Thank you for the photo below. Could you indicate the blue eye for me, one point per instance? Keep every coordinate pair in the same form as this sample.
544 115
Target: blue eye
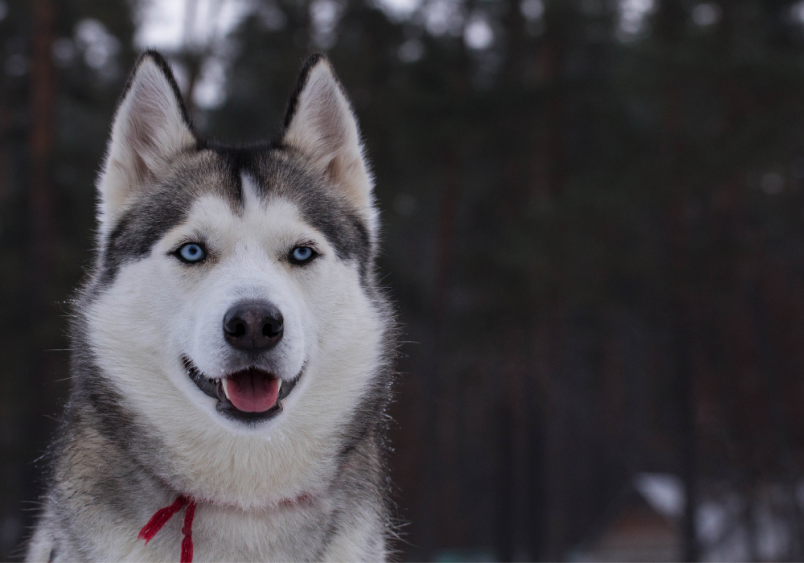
302 254
191 253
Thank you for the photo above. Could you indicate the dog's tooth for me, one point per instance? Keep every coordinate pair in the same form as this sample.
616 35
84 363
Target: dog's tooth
225 382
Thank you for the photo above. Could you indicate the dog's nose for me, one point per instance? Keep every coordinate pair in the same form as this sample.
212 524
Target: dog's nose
254 326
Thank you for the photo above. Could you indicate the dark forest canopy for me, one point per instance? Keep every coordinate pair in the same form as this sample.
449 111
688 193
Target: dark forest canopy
593 230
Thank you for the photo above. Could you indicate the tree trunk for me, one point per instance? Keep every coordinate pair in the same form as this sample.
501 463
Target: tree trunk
43 116
43 369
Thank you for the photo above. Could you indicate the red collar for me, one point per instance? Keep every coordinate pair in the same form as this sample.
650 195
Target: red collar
161 517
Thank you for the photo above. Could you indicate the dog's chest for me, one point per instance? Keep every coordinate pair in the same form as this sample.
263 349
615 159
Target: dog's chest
284 533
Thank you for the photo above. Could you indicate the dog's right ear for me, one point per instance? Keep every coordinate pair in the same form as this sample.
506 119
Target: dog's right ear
151 125
321 125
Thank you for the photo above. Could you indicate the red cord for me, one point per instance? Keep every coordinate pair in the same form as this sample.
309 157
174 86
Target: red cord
163 515
187 530
160 519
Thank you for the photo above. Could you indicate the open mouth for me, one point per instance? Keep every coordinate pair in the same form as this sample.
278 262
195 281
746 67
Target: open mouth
249 395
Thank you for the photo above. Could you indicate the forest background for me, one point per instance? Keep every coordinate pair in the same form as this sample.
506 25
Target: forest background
593 233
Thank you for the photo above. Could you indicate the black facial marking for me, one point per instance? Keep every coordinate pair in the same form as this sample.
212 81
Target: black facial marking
218 170
138 230
283 173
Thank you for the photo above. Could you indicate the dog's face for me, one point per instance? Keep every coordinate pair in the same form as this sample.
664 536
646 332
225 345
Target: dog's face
233 309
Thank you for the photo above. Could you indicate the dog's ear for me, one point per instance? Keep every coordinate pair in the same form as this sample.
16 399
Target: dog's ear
321 125
150 126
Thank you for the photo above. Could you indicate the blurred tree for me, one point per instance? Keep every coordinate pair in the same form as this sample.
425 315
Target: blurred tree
61 75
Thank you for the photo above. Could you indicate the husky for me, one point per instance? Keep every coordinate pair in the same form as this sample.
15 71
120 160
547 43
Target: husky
231 348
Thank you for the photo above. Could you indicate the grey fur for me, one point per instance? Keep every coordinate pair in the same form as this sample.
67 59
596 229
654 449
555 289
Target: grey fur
109 469
276 168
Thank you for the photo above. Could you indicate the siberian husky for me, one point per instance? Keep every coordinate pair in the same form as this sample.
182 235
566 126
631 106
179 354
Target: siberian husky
231 348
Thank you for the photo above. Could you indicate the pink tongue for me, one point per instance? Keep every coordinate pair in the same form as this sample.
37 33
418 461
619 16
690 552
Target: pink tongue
252 390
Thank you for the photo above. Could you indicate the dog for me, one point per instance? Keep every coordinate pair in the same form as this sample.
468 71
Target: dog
231 357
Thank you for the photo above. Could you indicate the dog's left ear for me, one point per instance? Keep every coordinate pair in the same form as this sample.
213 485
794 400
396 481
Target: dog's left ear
321 125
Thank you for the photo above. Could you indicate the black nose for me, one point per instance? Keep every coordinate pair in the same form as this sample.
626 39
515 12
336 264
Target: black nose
254 326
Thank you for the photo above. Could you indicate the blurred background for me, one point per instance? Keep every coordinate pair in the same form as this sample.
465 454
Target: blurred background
594 235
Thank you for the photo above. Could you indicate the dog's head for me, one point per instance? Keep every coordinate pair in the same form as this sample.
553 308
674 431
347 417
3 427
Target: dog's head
233 307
